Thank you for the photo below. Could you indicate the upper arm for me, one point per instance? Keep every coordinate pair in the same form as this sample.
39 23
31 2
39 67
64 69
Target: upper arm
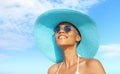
52 69
96 66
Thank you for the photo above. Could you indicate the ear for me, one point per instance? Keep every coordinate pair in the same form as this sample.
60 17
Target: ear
78 38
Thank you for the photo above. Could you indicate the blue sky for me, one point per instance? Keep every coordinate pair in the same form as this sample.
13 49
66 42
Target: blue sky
18 50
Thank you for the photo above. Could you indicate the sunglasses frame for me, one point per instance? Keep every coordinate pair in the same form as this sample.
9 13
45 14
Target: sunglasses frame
66 28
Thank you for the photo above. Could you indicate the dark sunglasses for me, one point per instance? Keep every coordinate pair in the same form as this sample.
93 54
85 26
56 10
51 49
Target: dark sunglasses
67 28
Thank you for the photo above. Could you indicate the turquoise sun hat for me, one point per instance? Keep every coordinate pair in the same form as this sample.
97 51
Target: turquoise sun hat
44 33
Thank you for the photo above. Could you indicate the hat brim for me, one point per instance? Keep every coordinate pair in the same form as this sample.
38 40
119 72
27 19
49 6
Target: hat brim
44 33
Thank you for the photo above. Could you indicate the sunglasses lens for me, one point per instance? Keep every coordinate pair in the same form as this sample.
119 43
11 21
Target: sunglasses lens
57 29
67 28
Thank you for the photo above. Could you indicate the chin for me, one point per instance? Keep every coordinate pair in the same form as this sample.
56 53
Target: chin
63 44
60 44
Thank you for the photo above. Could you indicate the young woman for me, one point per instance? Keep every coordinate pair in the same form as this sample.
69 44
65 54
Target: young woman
70 39
67 38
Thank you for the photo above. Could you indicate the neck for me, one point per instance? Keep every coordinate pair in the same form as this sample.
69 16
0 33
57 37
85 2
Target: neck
70 56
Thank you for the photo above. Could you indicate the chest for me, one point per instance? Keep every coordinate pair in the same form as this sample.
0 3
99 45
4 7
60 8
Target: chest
67 71
73 70
85 70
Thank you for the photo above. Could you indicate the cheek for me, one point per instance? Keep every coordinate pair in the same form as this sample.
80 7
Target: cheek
72 36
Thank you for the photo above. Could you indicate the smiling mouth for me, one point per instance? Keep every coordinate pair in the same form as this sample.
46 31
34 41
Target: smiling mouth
62 37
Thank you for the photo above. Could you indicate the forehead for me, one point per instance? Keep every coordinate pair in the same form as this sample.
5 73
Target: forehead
64 24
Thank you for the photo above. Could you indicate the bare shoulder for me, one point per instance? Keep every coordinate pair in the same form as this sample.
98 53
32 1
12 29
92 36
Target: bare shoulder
95 65
93 61
53 69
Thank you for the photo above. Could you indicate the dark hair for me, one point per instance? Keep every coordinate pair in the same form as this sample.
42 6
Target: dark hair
65 22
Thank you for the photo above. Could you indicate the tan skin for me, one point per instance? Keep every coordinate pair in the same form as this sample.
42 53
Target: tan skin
68 45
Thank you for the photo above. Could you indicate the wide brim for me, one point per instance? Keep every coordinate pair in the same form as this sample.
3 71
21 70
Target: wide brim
44 33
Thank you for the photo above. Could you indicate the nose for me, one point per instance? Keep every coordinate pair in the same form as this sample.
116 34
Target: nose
61 30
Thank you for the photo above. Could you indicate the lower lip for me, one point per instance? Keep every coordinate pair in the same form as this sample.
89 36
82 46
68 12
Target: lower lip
62 38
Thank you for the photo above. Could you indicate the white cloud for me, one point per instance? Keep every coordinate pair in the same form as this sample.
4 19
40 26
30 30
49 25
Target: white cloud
17 7
17 19
80 5
14 41
110 50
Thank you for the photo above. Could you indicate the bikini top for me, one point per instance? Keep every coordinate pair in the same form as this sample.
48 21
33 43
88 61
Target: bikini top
77 69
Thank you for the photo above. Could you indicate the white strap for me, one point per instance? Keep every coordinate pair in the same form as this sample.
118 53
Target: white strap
77 71
59 68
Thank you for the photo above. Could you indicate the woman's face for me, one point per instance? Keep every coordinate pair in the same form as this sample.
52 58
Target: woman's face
66 35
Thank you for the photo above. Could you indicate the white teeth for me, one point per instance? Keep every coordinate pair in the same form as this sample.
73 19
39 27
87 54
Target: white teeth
62 37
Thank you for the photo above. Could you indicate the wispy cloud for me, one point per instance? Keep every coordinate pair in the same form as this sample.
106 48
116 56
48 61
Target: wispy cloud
4 56
110 50
81 5
17 19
